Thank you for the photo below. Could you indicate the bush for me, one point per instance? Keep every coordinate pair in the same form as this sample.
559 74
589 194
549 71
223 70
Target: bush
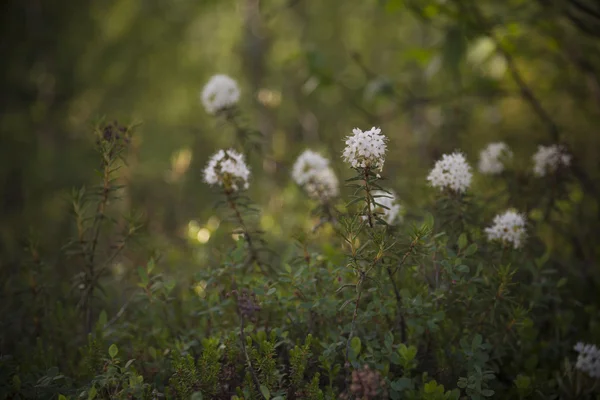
463 283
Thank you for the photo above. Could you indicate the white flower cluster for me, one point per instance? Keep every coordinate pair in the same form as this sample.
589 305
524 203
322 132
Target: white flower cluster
548 159
219 93
452 172
491 159
588 359
508 227
227 168
312 171
365 149
392 213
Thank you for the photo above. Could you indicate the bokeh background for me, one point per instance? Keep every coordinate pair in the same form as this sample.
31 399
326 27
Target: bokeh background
434 78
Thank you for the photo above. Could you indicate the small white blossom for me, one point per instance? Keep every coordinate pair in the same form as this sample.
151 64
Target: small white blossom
508 227
588 359
219 93
365 149
227 168
306 164
323 185
312 171
390 215
548 159
452 172
491 159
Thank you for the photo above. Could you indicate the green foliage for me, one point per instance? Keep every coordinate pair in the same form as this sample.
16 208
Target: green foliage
153 286
185 377
209 367
299 357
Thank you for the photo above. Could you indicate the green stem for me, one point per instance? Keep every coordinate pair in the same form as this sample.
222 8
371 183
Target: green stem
368 197
238 215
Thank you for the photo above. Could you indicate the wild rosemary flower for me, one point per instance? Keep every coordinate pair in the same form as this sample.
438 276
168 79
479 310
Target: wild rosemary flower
451 172
588 359
548 159
219 93
227 168
313 173
365 149
492 158
508 227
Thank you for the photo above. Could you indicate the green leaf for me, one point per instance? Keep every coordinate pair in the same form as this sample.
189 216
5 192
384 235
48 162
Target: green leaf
523 382
472 249
407 353
196 396
433 387
271 291
455 48
356 345
463 268
429 220
265 392
150 266
61 397
16 381
102 319
487 392
152 352
92 393
113 350
562 282
402 384
143 276
477 341
462 241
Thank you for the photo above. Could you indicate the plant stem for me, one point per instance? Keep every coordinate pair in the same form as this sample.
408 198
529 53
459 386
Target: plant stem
251 248
354 316
248 361
96 227
368 197
401 319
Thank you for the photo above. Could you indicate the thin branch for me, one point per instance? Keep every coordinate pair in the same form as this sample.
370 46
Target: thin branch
120 312
368 197
527 94
524 89
585 9
96 228
401 319
251 246
354 316
243 339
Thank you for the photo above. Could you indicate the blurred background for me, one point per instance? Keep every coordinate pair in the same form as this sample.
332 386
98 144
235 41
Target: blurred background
435 75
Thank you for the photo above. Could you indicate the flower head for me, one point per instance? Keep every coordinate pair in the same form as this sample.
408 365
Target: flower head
227 168
219 93
588 359
508 227
391 214
491 159
306 164
312 171
548 159
323 185
452 172
365 149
